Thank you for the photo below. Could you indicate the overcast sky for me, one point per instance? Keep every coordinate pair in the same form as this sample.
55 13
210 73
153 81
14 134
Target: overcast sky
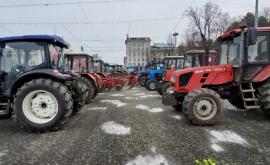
107 32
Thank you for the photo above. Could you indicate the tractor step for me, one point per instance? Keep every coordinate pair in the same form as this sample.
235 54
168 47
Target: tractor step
248 96
4 108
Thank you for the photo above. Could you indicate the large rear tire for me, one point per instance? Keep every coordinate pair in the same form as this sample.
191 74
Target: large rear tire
42 105
150 85
203 107
264 97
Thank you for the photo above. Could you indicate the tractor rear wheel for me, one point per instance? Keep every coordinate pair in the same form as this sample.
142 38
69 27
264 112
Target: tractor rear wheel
165 88
142 81
203 107
90 89
80 97
264 97
150 85
42 105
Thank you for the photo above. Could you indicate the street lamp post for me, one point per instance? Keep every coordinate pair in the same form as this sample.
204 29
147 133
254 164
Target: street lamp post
175 42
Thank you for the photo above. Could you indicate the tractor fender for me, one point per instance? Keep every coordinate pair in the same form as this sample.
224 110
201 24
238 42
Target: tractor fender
91 77
34 74
262 75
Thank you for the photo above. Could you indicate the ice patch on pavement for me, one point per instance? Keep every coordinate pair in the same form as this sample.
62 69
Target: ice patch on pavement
116 95
97 108
146 108
177 117
217 148
112 127
118 103
227 136
151 159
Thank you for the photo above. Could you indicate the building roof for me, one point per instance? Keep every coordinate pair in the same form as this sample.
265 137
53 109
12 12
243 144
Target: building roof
49 38
138 39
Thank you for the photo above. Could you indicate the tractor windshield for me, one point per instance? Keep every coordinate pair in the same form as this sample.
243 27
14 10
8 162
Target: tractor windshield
192 60
176 63
260 51
79 64
21 56
230 51
56 56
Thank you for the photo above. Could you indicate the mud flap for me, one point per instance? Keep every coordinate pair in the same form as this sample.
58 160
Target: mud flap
169 100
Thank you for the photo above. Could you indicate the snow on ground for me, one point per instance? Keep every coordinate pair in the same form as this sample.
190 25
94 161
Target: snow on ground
112 127
140 94
118 103
3 153
228 136
116 95
177 117
151 159
97 108
225 136
146 108
149 96
217 148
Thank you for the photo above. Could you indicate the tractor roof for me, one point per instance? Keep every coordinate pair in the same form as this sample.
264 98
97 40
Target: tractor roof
196 52
77 54
232 33
48 38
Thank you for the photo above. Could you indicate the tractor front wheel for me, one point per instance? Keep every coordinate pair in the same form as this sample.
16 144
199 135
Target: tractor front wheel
165 88
264 97
203 107
150 85
142 81
42 105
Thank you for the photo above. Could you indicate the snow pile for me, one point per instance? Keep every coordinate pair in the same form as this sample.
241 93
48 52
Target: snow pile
177 117
112 127
153 159
118 103
146 108
217 148
227 136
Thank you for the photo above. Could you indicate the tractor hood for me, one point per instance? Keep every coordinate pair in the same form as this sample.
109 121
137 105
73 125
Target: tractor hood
186 80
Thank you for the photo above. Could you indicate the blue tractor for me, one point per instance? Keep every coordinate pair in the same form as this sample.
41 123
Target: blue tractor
154 75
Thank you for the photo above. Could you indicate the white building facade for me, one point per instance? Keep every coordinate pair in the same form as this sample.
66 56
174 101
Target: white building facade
137 51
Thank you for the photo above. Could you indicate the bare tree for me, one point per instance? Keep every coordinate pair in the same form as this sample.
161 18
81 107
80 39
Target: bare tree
205 19
266 13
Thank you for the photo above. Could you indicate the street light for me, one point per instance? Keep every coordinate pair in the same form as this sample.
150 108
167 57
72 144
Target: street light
175 41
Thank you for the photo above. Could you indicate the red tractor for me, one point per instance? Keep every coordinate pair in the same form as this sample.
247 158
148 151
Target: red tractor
171 63
83 64
241 76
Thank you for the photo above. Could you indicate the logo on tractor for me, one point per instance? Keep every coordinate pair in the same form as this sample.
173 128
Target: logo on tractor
210 70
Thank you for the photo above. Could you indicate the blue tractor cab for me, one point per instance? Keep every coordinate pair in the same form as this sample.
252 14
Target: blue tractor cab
154 75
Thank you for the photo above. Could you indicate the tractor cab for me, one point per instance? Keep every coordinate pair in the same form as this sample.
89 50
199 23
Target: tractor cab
195 58
241 76
171 63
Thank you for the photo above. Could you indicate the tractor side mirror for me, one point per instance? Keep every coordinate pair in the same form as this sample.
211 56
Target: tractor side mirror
252 36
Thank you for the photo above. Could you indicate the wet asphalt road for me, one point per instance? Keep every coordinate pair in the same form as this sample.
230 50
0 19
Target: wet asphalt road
133 127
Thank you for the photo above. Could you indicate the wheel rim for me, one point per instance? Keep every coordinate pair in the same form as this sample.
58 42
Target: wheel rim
40 106
205 108
152 85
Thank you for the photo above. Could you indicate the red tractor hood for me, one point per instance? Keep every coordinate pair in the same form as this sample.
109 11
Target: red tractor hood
186 80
